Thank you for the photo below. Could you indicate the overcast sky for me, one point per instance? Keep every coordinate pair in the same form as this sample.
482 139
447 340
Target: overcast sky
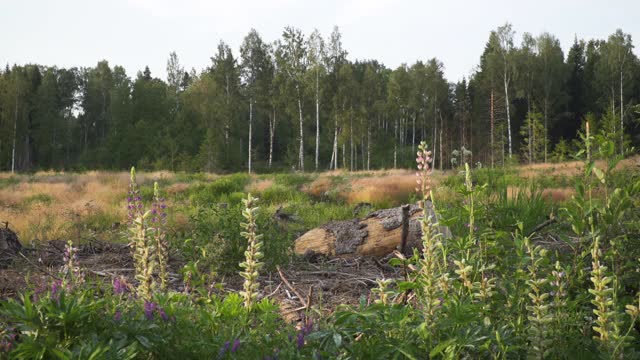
135 33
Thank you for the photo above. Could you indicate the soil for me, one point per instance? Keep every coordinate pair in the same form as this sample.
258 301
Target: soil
323 284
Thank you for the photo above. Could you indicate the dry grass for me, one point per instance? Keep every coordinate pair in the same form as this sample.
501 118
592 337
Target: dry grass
319 187
555 195
259 186
390 189
571 168
76 200
382 187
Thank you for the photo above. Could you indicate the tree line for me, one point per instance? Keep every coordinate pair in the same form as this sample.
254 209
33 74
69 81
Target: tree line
300 103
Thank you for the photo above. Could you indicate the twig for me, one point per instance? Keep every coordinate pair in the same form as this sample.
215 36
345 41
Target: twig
286 282
295 310
274 291
38 267
309 298
550 221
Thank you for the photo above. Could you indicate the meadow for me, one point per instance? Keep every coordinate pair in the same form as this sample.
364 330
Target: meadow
543 263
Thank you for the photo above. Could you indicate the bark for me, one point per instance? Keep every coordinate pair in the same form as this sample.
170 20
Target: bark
530 130
226 121
250 130
334 156
492 130
395 144
441 125
621 114
369 147
317 120
413 138
15 133
546 102
301 151
272 132
435 128
506 100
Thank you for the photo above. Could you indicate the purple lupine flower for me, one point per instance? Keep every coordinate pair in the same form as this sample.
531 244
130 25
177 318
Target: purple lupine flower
119 286
236 346
117 316
307 326
224 349
163 315
149 308
300 340
55 289
37 292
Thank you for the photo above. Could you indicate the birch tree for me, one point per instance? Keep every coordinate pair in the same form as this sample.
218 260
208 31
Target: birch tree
316 55
294 52
336 56
255 76
619 58
505 36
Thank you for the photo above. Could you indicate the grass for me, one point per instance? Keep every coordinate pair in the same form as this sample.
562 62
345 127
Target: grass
53 205
495 289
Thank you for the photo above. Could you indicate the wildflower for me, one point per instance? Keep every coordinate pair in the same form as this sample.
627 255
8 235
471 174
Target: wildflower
119 286
300 340
252 263
55 289
236 346
117 316
163 314
224 349
149 308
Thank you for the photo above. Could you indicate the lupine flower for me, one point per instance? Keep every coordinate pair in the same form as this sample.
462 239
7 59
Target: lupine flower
163 315
236 345
224 349
307 326
300 340
117 315
119 286
55 289
149 308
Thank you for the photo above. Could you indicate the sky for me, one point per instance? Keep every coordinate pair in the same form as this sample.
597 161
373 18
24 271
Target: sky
139 33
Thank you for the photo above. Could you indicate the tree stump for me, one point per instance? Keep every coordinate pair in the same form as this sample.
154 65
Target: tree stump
378 234
9 240
9 244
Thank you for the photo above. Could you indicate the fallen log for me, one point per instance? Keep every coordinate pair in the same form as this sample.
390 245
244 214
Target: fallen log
378 234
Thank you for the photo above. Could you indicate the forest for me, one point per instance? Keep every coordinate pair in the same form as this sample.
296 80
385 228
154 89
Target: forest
299 103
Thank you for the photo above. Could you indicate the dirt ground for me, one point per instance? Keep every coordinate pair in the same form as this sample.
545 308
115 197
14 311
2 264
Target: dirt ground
321 284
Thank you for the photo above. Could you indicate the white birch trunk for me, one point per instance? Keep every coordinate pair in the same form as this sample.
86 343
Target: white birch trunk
506 100
334 156
15 133
272 132
250 130
317 120
621 115
301 151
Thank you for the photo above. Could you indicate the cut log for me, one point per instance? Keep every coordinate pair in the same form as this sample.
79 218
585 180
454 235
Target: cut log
378 234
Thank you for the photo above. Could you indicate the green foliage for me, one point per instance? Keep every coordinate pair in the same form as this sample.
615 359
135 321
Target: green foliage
219 190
